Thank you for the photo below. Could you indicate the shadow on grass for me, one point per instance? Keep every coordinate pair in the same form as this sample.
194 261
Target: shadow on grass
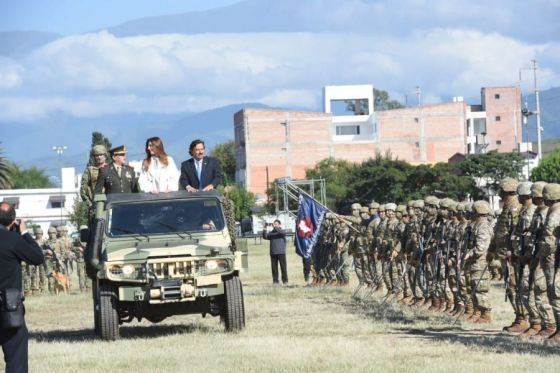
126 332
490 340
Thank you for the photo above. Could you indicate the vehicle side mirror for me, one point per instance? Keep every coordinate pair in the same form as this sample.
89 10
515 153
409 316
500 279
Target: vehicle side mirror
84 235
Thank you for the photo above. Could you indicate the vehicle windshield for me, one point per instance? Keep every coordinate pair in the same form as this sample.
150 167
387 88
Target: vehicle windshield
164 217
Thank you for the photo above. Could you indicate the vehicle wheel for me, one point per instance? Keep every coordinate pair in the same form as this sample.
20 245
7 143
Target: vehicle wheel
233 312
108 315
96 309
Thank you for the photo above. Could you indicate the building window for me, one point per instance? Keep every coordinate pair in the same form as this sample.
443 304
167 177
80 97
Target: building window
347 130
350 107
498 118
14 201
498 142
497 96
57 202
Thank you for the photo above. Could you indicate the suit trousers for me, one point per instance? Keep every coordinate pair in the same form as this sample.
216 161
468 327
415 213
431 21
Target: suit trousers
276 259
15 347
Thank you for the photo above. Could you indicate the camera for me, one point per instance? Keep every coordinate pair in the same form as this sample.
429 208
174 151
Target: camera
15 226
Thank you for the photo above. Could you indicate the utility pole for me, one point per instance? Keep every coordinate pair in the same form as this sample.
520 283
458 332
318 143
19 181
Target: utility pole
59 149
418 94
538 110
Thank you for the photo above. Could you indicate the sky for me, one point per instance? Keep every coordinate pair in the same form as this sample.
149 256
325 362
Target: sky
278 53
68 17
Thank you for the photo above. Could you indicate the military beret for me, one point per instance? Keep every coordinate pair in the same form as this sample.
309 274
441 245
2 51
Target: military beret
551 192
524 188
509 184
391 206
119 150
537 189
99 150
481 207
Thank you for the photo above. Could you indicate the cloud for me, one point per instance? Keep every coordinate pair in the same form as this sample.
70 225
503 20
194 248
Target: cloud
97 74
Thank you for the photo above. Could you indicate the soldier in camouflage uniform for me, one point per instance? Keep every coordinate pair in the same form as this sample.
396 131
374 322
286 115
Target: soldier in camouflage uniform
476 263
443 293
52 262
90 176
390 248
376 250
520 246
549 255
65 249
402 286
358 241
415 244
430 230
450 257
533 293
502 248
38 280
462 236
78 249
343 238
371 276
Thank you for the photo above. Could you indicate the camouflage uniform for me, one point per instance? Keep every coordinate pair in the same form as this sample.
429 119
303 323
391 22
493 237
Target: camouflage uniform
402 285
376 256
52 262
432 230
390 247
533 294
450 259
370 273
342 271
501 247
90 176
65 249
416 268
78 249
477 265
548 252
462 234
358 242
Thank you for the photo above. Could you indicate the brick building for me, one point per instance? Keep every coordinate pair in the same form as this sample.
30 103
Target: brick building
273 143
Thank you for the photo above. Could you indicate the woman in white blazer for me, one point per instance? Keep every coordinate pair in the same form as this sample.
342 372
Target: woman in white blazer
159 172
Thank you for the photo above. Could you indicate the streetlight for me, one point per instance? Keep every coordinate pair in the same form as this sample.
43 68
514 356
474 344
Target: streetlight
59 149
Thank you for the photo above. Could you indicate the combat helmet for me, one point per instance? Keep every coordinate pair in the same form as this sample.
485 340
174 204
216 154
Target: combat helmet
374 205
355 206
51 230
37 229
402 209
551 192
390 206
431 200
481 207
524 188
509 184
99 150
537 189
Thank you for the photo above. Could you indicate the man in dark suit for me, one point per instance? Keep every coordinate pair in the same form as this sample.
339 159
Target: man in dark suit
16 245
277 237
199 173
117 177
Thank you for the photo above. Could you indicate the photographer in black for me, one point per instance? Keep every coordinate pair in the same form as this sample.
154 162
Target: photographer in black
16 245
277 238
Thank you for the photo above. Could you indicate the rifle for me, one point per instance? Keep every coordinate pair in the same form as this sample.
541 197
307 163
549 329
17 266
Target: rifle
535 249
519 262
510 249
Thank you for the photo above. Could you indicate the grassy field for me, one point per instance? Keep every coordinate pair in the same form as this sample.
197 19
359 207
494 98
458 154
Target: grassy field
289 328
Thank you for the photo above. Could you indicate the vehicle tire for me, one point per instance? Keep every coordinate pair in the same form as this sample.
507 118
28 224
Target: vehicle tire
108 315
96 309
233 312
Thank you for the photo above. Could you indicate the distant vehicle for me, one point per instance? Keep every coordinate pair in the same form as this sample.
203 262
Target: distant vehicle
157 255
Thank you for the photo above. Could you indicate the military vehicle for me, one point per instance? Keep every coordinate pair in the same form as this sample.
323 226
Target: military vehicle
156 255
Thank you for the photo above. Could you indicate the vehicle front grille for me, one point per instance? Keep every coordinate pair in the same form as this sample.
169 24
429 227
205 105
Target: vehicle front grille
176 269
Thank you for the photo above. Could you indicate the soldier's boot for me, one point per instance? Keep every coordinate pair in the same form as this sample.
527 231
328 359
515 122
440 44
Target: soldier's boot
459 310
435 304
345 282
427 302
443 305
469 312
451 308
417 302
546 332
406 299
532 331
554 338
485 317
519 325
475 316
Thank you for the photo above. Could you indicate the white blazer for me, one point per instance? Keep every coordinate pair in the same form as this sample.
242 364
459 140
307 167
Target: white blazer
158 177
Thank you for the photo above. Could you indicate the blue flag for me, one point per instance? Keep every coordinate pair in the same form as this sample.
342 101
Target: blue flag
308 225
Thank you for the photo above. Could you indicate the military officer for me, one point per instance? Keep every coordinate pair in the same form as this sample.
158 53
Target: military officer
117 177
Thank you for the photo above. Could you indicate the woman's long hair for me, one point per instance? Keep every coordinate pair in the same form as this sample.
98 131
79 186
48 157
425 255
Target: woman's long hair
159 152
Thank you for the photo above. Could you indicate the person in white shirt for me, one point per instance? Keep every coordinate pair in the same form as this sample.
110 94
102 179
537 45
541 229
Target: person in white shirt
159 172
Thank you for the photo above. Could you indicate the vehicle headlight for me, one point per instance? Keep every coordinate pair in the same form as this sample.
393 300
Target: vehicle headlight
124 272
216 266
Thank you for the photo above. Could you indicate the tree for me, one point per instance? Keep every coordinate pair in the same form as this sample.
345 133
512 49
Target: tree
384 102
79 214
32 178
336 173
492 166
225 154
548 169
5 173
97 138
242 199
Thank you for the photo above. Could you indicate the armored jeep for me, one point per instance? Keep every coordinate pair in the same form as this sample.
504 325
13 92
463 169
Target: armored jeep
156 255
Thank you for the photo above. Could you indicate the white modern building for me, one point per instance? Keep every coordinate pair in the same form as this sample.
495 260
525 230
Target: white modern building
46 207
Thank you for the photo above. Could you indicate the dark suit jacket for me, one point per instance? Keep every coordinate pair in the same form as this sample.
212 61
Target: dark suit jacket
277 237
211 173
110 181
15 248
